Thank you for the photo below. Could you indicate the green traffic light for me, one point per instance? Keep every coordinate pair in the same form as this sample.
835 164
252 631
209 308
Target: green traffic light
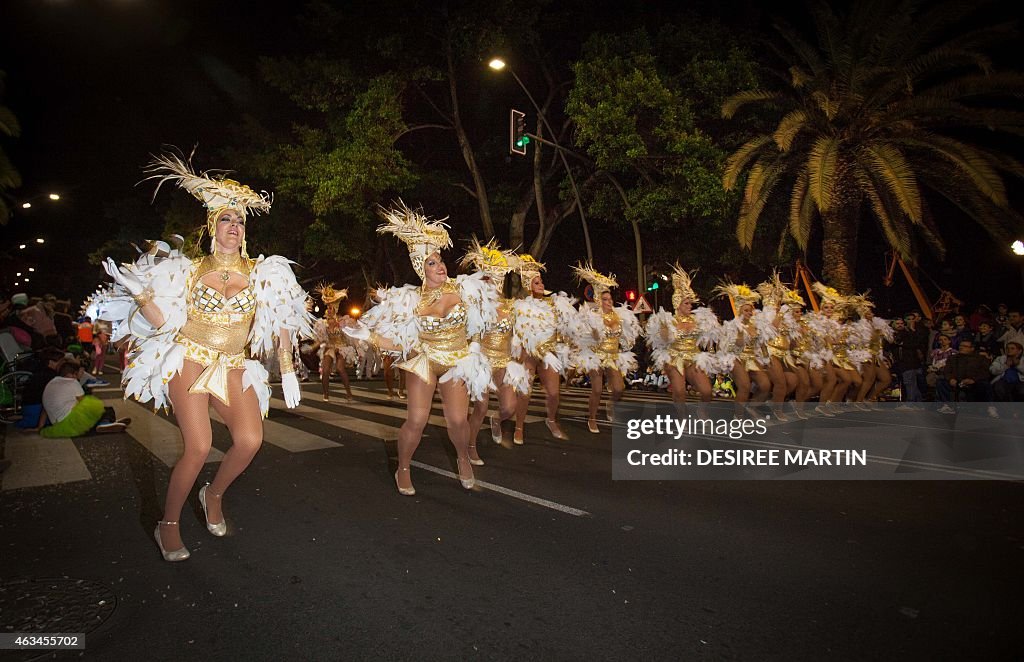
654 286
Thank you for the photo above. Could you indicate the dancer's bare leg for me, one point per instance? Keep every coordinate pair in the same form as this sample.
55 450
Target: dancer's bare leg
421 395
245 423
596 388
455 403
326 368
192 411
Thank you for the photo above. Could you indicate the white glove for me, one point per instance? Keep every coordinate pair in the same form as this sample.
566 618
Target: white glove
290 386
128 281
359 332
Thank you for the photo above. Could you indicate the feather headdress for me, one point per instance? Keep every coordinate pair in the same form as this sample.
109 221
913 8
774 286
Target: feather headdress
330 295
740 294
529 268
421 235
600 282
214 190
489 259
859 303
828 294
682 281
775 292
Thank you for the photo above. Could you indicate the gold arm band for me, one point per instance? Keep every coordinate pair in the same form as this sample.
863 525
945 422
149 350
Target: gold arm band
144 298
284 359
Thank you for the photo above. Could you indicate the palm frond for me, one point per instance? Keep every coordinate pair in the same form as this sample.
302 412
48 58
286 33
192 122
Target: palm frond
740 158
890 217
974 163
9 123
821 166
801 210
737 101
789 127
891 166
760 182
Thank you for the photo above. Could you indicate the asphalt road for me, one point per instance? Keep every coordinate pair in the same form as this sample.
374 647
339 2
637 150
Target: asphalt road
550 559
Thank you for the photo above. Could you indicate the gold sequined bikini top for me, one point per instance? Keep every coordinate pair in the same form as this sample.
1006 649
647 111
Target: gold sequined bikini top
612 331
204 299
456 317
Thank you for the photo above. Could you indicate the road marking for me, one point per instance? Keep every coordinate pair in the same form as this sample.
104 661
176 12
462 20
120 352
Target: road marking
350 423
39 461
156 434
338 398
290 439
522 496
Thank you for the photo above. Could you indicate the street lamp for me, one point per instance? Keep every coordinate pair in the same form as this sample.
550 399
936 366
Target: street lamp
54 196
40 240
498 64
21 246
1017 247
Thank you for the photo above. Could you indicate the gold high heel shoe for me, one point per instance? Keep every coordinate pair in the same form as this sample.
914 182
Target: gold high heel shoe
467 483
219 529
592 425
517 437
555 430
173 555
404 491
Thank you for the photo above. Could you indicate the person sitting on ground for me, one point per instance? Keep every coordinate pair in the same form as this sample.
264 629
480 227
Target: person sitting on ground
968 372
72 412
1008 381
45 368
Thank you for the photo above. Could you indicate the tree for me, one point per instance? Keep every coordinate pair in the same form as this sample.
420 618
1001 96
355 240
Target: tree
878 107
641 110
9 176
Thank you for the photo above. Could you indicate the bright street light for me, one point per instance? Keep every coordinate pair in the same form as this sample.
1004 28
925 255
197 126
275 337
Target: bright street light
31 268
497 64
21 246
26 280
1017 247
18 274
40 240
26 205
54 196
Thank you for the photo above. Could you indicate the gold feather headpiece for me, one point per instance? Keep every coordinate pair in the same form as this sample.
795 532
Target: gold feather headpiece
600 282
490 260
775 292
682 284
740 294
529 268
330 295
421 235
213 190
828 294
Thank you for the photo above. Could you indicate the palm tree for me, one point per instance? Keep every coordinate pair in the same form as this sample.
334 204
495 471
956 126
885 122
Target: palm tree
883 103
9 177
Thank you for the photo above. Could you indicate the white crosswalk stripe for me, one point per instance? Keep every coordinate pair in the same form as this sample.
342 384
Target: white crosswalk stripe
37 462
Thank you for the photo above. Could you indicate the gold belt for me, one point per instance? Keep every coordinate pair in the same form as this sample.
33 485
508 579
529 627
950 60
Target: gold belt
439 351
609 345
217 348
497 346
227 338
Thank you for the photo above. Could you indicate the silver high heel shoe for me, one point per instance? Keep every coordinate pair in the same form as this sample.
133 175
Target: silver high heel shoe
475 463
495 431
467 483
219 529
174 555
404 491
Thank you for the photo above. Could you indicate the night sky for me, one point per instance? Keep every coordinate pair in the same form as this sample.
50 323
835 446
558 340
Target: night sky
99 85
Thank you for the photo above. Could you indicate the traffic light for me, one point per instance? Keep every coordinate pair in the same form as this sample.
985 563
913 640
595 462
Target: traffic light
653 286
518 140
630 295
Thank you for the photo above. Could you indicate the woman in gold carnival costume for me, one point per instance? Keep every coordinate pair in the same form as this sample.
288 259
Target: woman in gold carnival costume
605 336
844 340
871 333
544 325
828 330
777 302
742 344
335 350
679 341
432 325
805 363
507 374
192 326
